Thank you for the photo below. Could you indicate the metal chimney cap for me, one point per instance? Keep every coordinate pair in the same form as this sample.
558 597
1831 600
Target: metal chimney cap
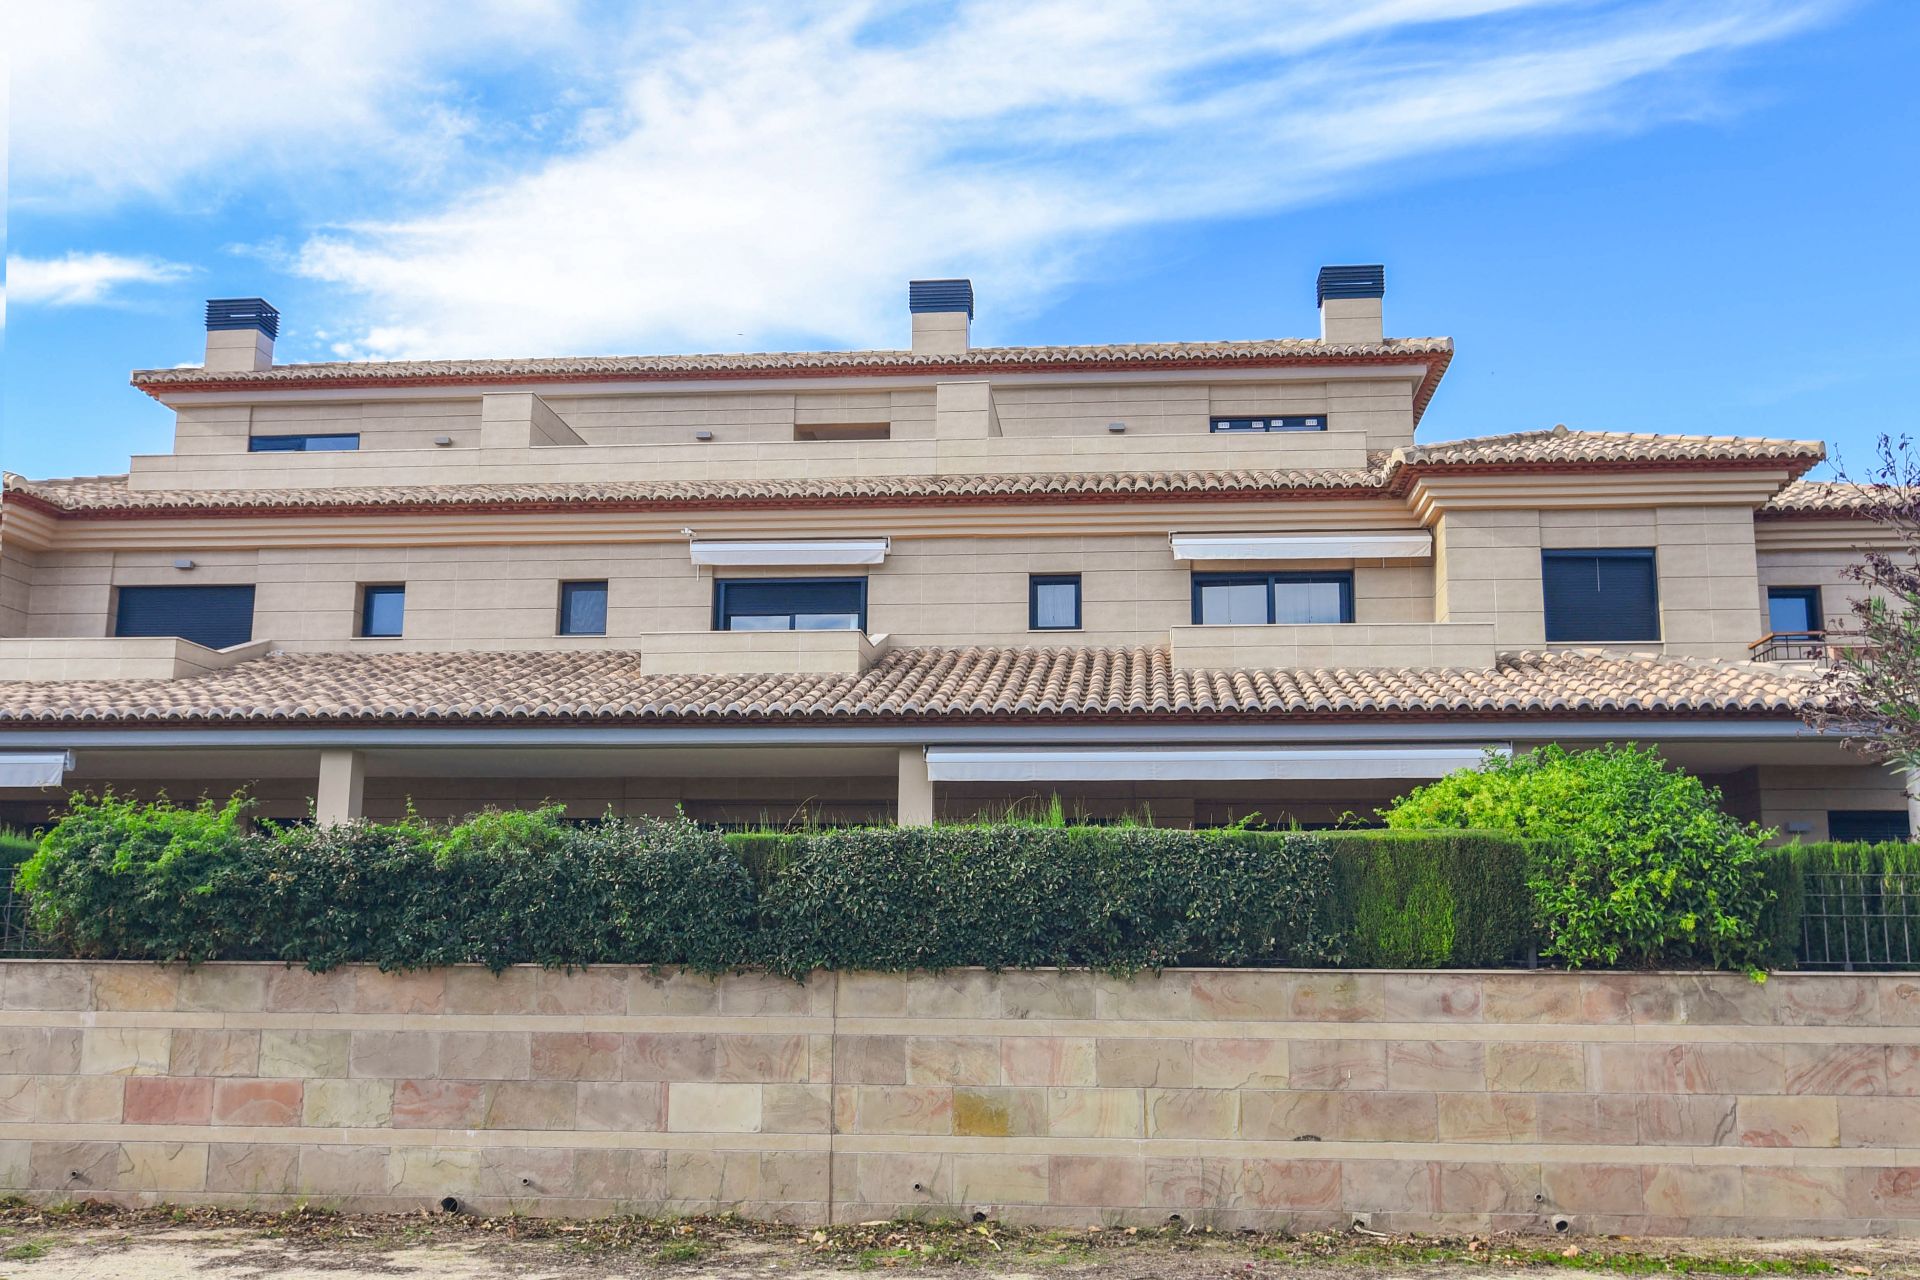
940 295
243 313
1369 281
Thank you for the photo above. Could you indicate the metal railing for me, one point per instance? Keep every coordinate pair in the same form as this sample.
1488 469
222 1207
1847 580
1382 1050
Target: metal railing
1861 920
1792 646
17 936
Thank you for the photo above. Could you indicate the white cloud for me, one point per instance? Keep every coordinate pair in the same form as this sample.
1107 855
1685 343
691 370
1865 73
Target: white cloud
115 99
531 176
82 278
764 173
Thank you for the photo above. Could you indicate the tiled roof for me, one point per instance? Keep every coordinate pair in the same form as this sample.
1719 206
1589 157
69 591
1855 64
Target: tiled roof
906 684
608 367
1826 497
1561 445
1385 471
111 493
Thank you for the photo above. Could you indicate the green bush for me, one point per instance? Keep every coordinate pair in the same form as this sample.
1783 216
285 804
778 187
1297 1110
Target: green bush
117 877
1864 899
120 880
15 848
1118 899
1635 863
1433 900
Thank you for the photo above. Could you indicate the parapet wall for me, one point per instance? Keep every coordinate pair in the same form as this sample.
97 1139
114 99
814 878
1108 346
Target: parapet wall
1640 1104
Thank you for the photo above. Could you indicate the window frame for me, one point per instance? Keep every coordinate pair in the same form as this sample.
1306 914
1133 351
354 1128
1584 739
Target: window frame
1815 613
283 442
567 587
1648 554
722 585
1343 578
1035 581
368 591
1865 817
1309 422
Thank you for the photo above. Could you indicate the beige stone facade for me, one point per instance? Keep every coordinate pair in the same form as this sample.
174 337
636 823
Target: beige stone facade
481 487
1639 1104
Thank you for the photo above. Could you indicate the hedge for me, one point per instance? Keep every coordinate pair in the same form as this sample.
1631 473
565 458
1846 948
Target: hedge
1868 897
119 879
1434 900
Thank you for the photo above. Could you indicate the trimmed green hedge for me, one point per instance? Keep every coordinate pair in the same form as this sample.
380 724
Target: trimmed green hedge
1865 896
1434 900
116 878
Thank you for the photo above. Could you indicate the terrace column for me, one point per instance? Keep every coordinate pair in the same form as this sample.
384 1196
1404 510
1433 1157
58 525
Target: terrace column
343 786
916 789
1913 805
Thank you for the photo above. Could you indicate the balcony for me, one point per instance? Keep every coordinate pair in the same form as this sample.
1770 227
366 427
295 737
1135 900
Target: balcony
1819 648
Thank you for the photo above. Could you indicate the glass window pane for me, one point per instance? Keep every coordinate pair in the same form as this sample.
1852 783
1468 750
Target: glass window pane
826 622
1791 611
760 622
384 611
1233 603
583 608
1301 602
1056 606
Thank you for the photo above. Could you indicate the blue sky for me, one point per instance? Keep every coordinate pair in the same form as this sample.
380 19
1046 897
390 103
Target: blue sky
1654 216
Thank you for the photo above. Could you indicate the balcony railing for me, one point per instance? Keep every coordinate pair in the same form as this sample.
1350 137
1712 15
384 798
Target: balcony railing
1803 646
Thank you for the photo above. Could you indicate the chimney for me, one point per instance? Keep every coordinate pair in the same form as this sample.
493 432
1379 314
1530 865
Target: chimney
240 334
1350 303
942 311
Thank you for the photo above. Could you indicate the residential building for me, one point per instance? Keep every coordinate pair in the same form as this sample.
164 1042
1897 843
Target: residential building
1202 579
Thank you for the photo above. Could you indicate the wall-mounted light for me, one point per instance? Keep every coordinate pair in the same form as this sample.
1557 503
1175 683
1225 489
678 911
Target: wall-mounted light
182 562
1116 427
443 441
703 435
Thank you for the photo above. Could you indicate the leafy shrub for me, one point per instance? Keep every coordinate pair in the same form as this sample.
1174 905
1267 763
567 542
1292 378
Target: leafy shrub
116 877
157 882
15 848
1118 899
1433 900
1635 863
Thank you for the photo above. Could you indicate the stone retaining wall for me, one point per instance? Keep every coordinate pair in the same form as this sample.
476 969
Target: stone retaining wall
1626 1103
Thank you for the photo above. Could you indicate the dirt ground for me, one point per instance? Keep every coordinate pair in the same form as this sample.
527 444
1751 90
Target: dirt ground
90 1242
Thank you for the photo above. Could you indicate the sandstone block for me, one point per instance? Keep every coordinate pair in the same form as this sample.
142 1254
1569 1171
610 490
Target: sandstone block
903 1109
713 1108
257 1102
439 1104
167 1100
1093 1181
215 1053
760 1059
999 1180
970 1060
393 1055
999 1112
795 1108
531 1104
1787 1122
1038 1060
485 1055
1439 1065
348 1104
1143 1063
669 1056
1096 1113
1240 1064
1192 1113
634 1106
126 1051
301 1054
1338 1064
253 1168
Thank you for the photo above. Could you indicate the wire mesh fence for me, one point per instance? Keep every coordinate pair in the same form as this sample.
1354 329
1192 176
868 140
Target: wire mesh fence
17 935
1861 920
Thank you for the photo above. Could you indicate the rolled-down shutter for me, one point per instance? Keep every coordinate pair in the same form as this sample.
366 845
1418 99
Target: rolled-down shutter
1609 595
213 616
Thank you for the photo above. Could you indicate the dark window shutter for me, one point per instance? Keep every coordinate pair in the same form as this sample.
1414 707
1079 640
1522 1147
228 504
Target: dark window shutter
1600 595
1873 826
212 616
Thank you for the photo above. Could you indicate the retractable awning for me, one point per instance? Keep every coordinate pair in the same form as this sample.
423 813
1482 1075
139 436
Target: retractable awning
793 552
1417 545
1200 764
34 768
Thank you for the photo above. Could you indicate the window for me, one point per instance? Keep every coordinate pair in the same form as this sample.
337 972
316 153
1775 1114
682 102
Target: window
583 608
844 431
336 443
1794 610
1600 595
1257 599
1288 422
1873 825
212 616
790 604
1053 602
383 610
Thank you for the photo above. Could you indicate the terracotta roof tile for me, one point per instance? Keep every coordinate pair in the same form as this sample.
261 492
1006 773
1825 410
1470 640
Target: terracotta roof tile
1561 445
905 684
111 493
1828 497
1384 471
1145 353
